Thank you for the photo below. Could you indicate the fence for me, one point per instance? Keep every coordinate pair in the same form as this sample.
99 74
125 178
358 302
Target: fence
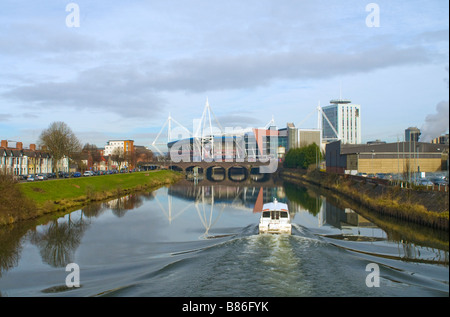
401 183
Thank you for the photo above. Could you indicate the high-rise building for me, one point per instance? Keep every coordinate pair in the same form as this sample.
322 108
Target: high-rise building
412 134
443 139
292 136
341 120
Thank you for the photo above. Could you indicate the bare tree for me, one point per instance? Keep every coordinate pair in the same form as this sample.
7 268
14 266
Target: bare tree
143 154
118 157
60 141
93 153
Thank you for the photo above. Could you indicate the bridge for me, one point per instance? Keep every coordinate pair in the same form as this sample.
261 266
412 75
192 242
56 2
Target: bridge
214 171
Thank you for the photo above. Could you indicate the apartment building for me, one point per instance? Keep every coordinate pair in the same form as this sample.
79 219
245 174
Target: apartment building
125 147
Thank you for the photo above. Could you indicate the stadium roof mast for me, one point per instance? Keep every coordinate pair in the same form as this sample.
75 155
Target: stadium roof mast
168 122
202 136
206 117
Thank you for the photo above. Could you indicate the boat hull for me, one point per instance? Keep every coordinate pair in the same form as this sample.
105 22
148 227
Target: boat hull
275 229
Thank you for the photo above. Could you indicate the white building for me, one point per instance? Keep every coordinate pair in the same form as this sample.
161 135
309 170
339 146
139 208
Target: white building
345 120
125 146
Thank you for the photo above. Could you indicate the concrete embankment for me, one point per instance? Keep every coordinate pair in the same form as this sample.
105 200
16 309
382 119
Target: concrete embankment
24 201
427 208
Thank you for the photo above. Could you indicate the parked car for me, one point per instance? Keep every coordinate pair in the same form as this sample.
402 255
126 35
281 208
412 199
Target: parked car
439 181
76 174
41 177
30 178
425 182
88 173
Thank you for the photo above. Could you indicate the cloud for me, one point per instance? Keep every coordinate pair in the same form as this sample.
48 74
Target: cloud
436 123
135 90
5 117
235 120
31 39
98 89
260 69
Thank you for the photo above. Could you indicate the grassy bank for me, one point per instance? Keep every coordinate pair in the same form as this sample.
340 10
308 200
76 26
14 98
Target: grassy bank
40 198
420 207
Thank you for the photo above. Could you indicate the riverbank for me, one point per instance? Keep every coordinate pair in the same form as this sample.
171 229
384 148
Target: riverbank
30 200
426 208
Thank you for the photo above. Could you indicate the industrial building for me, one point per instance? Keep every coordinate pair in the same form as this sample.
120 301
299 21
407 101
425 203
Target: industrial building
399 157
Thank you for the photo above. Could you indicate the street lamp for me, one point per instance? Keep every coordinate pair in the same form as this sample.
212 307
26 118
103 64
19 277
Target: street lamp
373 153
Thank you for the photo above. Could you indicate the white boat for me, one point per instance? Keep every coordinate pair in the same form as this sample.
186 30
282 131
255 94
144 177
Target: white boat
275 218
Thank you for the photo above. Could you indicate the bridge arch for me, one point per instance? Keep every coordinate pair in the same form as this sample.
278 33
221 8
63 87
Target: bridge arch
256 176
176 168
192 169
216 173
237 173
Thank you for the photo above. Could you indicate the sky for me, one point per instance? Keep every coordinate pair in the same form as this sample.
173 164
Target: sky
127 65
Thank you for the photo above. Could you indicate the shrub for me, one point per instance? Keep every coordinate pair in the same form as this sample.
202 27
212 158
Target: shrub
303 157
13 204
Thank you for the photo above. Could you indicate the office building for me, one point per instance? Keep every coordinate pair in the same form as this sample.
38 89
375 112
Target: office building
292 136
308 136
443 139
341 120
412 134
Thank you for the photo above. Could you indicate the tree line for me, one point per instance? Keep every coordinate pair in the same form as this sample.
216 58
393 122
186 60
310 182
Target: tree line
303 157
60 141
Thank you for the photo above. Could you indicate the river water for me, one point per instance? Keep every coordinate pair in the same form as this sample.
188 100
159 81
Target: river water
202 240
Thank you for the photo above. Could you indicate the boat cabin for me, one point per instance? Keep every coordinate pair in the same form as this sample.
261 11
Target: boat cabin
275 218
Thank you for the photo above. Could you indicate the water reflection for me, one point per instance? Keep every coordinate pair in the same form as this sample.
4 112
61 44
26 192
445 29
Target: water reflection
210 211
58 241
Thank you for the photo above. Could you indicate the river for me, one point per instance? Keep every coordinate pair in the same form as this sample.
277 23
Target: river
202 240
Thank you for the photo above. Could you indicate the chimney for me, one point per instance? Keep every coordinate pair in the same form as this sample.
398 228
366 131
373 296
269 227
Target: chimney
4 143
19 145
33 147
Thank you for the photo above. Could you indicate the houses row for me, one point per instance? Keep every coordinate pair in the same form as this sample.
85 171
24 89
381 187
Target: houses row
18 160
21 161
